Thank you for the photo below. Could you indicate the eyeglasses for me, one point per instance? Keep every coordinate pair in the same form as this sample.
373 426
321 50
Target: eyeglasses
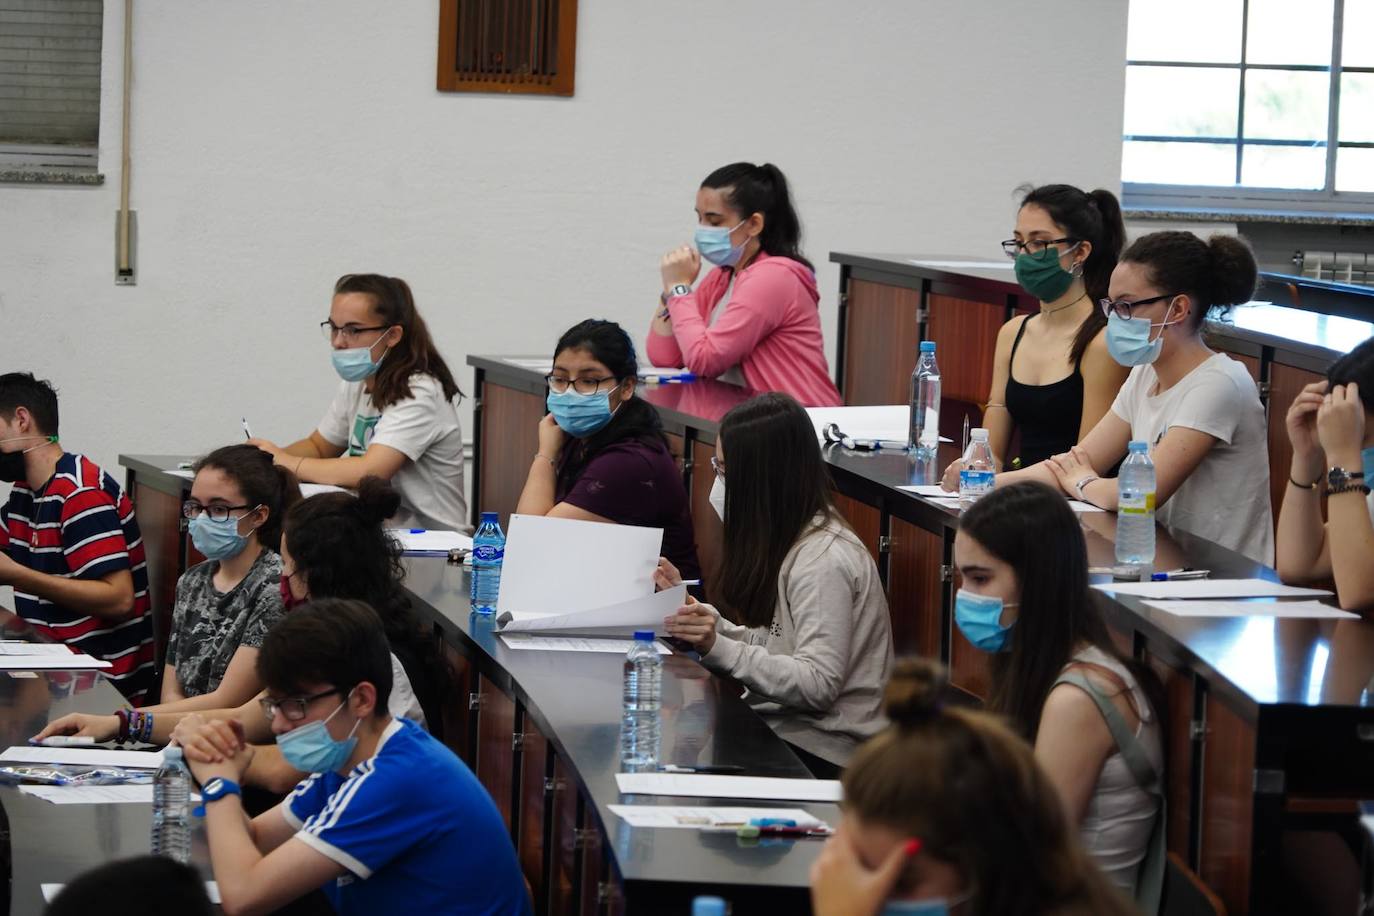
558 384
718 466
348 332
292 707
1122 309
194 510
1013 247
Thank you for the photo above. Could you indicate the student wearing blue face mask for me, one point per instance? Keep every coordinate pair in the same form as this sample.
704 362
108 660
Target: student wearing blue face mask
388 821
602 455
1199 411
946 812
1332 434
394 415
753 320
1092 714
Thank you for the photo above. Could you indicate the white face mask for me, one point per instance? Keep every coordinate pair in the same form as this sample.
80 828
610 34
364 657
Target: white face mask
717 497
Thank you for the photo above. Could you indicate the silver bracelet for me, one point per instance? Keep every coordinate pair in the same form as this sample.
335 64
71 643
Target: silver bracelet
1083 483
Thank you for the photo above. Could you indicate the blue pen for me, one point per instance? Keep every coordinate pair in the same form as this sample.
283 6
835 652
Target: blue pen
417 531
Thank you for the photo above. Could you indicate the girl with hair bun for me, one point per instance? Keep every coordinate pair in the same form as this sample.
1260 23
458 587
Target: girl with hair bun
754 320
1198 411
393 416
946 811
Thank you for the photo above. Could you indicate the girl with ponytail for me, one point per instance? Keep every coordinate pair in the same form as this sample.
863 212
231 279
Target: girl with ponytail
1052 378
767 334
946 811
393 416
1198 412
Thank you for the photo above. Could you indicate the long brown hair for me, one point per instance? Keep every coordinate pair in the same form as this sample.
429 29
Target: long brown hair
394 305
970 790
776 484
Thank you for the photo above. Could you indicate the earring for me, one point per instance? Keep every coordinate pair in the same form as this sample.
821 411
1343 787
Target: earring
1077 270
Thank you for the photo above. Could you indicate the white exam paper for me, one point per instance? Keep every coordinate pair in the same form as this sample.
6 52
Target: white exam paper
886 423
694 817
562 565
81 756
519 640
92 795
315 489
711 785
16 647
1250 609
1211 588
538 363
36 656
644 613
965 265
52 890
183 473
429 541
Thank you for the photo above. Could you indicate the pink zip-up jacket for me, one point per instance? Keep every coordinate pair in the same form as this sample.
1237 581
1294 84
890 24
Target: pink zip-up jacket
771 329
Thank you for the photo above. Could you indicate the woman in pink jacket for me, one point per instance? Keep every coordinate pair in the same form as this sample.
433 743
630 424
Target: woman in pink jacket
754 319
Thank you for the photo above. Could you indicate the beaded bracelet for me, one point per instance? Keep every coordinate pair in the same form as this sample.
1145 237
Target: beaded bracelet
123 716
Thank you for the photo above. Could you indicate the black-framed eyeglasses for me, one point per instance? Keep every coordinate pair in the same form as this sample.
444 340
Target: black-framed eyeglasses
193 510
1122 309
558 384
348 332
718 466
1014 247
294 708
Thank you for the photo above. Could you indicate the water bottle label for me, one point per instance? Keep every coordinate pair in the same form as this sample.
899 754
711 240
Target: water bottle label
976 480
488 553
1136 504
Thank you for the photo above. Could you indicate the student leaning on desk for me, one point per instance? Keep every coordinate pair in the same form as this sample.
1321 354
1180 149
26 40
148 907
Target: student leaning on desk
805 624
393 416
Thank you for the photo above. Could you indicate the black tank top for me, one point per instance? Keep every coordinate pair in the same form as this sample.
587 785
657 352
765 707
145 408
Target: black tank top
1047 416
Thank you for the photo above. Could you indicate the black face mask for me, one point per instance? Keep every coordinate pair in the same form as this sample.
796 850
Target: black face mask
11 467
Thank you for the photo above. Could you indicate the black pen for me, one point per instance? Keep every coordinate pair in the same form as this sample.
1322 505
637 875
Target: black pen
701 768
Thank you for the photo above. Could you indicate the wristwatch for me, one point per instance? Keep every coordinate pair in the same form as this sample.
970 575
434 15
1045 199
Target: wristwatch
218 788
680 289
1339 480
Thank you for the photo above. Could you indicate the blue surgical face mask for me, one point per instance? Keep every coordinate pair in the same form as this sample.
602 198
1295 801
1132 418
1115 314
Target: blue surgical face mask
217 540
355 364
930 906
580 415
714 244
311 749
979 618
1367 465
1128 339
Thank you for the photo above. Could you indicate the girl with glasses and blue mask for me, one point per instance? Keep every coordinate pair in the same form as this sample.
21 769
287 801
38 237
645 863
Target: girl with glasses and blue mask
1092 714
1198 411
753 320
393 416
1052 376
1332 434
602 454
946 812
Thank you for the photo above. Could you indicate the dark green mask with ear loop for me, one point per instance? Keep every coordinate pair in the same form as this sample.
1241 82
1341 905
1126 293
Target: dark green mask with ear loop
12 463
1041 275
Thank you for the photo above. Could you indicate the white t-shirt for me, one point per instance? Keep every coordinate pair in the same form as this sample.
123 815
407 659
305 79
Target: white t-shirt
423 427
1226 498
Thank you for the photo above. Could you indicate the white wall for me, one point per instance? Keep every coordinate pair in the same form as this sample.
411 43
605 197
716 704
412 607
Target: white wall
278 145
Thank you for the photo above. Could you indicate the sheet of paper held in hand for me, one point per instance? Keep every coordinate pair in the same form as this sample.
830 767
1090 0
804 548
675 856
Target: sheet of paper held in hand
564 574
1250 609
574 643
694 817
96 757
938 494
1211 588
710 785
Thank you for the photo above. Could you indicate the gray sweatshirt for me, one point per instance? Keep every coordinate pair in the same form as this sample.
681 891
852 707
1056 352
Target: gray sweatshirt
817 673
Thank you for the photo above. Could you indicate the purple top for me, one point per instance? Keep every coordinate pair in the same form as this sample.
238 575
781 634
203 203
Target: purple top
632 482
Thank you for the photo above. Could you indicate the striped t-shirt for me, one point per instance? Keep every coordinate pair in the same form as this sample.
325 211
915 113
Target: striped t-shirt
80 525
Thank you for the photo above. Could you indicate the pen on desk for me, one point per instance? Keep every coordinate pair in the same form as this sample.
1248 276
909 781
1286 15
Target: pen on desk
701 768
965 442
1185 573
690 582
66 741
417 531
247 433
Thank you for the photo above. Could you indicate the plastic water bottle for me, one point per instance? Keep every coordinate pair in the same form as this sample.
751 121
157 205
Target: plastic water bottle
709 906
924 420
488 551
172 807
978 472
639 727
1135 508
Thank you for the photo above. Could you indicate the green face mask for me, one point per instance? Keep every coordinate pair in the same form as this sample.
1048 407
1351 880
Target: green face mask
1041 276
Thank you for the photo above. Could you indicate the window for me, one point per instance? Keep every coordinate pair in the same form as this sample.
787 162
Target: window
49 84
1258 100
520 46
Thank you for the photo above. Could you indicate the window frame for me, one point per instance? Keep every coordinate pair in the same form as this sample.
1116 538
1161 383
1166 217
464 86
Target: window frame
1156 195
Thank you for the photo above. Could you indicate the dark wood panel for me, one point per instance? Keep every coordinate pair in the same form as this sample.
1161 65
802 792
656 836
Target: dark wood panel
1228 773
880 343
457 716
591 865
1177 735
534 761
1285 383
510 437
706 525
159 521
965 333
676 444
563 860
914 589
495 729
866 521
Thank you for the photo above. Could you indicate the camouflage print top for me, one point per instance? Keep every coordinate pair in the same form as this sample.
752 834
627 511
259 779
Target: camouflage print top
208 627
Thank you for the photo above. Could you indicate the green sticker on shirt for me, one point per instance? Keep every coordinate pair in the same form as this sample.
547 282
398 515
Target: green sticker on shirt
363 430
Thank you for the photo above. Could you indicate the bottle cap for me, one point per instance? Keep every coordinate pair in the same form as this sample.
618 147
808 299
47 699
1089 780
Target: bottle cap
978 435
171 752
708 906
490 516
927 346
644 635
1138 447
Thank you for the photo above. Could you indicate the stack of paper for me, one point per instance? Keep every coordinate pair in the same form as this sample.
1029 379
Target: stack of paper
565 574
710 785
1251 609
1211 588
939 495
35 656
695 817
426 542
81 756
